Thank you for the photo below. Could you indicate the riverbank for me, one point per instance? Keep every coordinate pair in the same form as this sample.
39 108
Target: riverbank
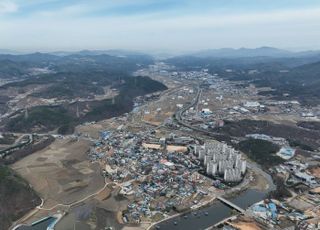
236 195
210 215
193 208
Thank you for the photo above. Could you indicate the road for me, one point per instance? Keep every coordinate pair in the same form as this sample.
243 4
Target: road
18 144
68 206
251 165
179 117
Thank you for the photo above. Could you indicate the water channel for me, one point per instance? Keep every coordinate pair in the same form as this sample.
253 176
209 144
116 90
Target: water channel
213 214
40 225
218 211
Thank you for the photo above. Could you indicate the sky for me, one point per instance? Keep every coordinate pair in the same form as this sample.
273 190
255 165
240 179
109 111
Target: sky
158 25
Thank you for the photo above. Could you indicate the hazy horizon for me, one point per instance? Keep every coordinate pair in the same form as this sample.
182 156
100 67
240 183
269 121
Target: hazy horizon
158 26
148 52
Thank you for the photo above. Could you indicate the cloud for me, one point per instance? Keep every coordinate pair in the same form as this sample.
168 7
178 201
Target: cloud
96 8
53 30
66 11
7 6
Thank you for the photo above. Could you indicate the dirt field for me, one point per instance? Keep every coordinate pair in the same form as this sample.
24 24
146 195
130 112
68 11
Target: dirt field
245 223
156 112
246 226
61 172
315 172
259 182
93 130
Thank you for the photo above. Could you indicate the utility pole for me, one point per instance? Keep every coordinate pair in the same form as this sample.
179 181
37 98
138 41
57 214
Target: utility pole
26 114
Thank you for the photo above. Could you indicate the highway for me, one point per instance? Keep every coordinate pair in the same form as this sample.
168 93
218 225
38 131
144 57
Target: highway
251 165
179 117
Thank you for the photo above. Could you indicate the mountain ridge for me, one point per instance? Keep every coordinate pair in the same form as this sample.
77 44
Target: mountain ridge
264 51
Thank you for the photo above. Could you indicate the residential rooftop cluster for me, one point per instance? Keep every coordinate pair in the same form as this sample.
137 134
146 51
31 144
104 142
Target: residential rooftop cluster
279 215
154 179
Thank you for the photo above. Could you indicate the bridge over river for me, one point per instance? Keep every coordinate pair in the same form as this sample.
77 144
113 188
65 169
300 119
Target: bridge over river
230 204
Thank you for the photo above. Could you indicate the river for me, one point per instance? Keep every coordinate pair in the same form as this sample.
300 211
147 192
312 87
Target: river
219 211
215 213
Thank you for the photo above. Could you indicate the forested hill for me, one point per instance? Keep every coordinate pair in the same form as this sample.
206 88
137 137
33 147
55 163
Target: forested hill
74 81
63 117
16 199
25 65
300 83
